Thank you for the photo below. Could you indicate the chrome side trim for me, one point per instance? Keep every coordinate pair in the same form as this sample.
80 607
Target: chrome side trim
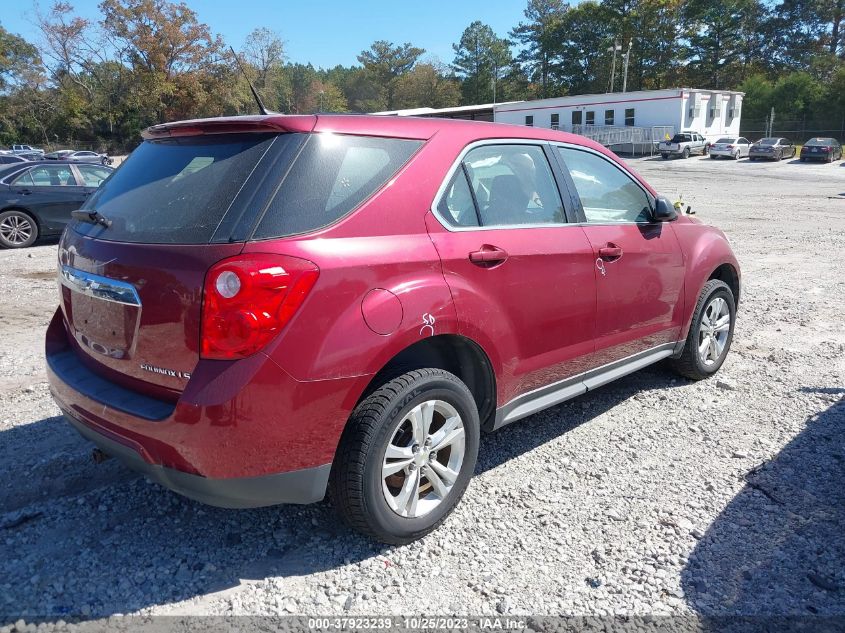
99 287
545 397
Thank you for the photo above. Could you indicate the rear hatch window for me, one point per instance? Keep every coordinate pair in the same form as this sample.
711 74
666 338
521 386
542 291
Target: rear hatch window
176 191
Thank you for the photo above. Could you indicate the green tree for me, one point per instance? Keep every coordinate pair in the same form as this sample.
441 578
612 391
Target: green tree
581 63
428 85
536 36
480 58
18 58
386 63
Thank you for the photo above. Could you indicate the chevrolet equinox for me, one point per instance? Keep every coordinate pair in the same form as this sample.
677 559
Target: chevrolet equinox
268 309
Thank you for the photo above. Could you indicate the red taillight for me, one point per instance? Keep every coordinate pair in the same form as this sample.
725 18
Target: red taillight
825 149
730 147
248 299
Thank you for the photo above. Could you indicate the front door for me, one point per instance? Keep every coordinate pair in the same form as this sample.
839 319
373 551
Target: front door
639 267
520 276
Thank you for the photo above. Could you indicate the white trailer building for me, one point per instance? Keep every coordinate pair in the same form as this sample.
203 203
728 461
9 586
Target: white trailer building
648 114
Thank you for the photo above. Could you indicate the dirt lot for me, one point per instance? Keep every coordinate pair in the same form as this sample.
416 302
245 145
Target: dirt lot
653 495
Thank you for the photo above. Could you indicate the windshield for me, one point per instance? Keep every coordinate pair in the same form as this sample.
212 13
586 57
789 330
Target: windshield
175 191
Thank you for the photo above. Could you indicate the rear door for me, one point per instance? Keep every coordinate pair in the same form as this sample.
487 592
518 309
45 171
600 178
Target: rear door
639 267
52 191
521 276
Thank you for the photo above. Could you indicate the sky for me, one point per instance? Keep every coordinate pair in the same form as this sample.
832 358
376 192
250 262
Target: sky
322 33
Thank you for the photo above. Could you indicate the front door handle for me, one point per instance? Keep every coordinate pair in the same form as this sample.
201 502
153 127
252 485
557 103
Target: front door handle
488 256
610 252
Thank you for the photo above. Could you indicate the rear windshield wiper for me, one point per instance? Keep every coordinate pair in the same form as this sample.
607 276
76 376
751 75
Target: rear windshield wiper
92 217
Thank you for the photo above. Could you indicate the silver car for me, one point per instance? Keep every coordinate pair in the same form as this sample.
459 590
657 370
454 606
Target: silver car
730 147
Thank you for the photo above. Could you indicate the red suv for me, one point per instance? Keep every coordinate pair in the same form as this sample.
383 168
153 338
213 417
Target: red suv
261 310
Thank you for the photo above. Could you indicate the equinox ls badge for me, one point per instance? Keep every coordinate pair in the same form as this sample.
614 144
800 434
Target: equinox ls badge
165 372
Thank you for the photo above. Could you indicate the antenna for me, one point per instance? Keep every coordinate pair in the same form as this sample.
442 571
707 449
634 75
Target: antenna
261 107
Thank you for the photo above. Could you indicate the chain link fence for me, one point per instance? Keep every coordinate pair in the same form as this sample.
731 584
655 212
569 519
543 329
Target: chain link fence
796 130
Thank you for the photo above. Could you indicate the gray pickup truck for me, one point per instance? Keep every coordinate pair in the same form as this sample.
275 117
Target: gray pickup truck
684 144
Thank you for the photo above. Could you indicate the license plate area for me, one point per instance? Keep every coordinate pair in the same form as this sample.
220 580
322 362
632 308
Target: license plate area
103 314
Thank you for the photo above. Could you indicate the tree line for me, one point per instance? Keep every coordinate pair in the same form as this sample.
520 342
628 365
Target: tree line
99 82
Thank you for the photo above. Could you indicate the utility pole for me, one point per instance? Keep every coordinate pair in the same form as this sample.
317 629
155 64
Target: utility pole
772 122
495 78
625 72
614 48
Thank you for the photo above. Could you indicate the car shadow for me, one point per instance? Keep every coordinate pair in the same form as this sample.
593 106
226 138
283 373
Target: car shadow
777 549
86 540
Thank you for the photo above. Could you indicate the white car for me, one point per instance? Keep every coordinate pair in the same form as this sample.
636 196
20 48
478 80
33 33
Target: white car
730 147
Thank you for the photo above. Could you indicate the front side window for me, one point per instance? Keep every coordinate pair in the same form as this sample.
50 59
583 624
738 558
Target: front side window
607 194
47 176
513 185
608 117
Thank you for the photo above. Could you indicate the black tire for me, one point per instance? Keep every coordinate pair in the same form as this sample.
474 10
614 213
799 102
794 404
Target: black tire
686 152
706 150
689 364
664 156
22 221
355 486
736 156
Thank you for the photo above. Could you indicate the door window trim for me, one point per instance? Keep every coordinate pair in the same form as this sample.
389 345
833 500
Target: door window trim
551 158
576 198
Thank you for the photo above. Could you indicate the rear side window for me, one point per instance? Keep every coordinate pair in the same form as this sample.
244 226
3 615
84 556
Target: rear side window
332 176
176 191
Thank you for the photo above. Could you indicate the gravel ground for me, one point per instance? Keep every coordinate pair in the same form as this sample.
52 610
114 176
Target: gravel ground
653 495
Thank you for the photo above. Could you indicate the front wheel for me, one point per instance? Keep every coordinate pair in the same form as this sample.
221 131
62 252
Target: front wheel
406 456
710 334
17 229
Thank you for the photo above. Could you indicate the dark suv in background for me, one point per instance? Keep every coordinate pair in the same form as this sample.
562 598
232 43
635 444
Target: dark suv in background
258 310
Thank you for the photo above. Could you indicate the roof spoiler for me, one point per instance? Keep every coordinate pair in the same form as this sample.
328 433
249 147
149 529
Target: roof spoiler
233 125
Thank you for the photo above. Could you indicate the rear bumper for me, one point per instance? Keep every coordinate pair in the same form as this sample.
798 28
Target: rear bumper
723 152
299 486
241 434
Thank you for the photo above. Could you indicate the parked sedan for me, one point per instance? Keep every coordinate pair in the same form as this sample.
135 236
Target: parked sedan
730 147
826 149
773 148
80 156
11 159
36 198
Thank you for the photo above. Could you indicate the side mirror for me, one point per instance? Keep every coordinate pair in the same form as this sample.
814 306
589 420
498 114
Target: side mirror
664 210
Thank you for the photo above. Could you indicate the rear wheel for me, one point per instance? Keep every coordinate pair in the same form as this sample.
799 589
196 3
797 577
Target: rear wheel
686 152
664 156
406 456
17 229
710 334
736 155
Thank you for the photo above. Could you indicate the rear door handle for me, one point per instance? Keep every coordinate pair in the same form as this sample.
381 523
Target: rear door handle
610 252
488 255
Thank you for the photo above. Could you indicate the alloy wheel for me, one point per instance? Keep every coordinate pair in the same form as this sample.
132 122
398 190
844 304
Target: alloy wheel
714 331
423 459
16 229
